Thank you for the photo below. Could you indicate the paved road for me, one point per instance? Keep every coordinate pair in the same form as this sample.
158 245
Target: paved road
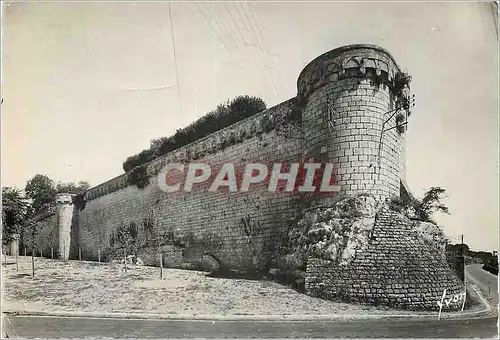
86 327
487 282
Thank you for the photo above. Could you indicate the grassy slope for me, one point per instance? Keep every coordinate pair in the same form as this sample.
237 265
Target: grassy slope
85 286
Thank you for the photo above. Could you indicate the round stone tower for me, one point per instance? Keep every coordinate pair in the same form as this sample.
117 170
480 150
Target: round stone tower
354 111
64 217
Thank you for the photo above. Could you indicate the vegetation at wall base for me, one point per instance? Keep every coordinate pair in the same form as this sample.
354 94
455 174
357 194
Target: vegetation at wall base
223 116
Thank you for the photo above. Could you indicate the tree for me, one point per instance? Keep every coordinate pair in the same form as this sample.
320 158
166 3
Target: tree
71 187
30 232
14 212
41 190
432 203
17 219
422 209
125 241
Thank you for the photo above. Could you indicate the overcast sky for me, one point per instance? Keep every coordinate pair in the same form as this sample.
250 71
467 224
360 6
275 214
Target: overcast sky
85 85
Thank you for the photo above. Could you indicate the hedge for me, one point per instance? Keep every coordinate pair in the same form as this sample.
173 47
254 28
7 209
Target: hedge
223 116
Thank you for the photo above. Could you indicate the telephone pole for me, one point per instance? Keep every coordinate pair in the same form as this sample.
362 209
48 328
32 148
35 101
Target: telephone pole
463 259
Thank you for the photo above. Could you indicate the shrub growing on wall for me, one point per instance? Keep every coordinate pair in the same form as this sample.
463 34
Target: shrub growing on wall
421 209
136 160
138 177
79 201
224 115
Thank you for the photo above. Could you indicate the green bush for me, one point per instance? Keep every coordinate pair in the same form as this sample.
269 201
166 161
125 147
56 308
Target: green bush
223 116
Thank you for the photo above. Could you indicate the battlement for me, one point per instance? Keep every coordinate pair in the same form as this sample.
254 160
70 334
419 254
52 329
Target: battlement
345 62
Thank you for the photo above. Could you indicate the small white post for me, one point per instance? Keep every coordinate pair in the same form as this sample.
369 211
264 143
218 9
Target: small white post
441 304
99 256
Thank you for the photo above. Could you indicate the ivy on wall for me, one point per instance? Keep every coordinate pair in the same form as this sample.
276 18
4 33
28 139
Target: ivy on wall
223 116
289 125
400 119
398 86
79 201
138 177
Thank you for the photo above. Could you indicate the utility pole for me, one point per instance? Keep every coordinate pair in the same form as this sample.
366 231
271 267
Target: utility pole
463 259
496 13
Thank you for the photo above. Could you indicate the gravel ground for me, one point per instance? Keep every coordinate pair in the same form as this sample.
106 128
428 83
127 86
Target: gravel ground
86 286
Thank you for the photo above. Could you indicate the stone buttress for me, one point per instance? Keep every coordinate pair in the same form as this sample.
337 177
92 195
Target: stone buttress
354 115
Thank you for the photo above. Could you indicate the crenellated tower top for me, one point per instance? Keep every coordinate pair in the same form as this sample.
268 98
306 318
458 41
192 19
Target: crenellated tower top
355 104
